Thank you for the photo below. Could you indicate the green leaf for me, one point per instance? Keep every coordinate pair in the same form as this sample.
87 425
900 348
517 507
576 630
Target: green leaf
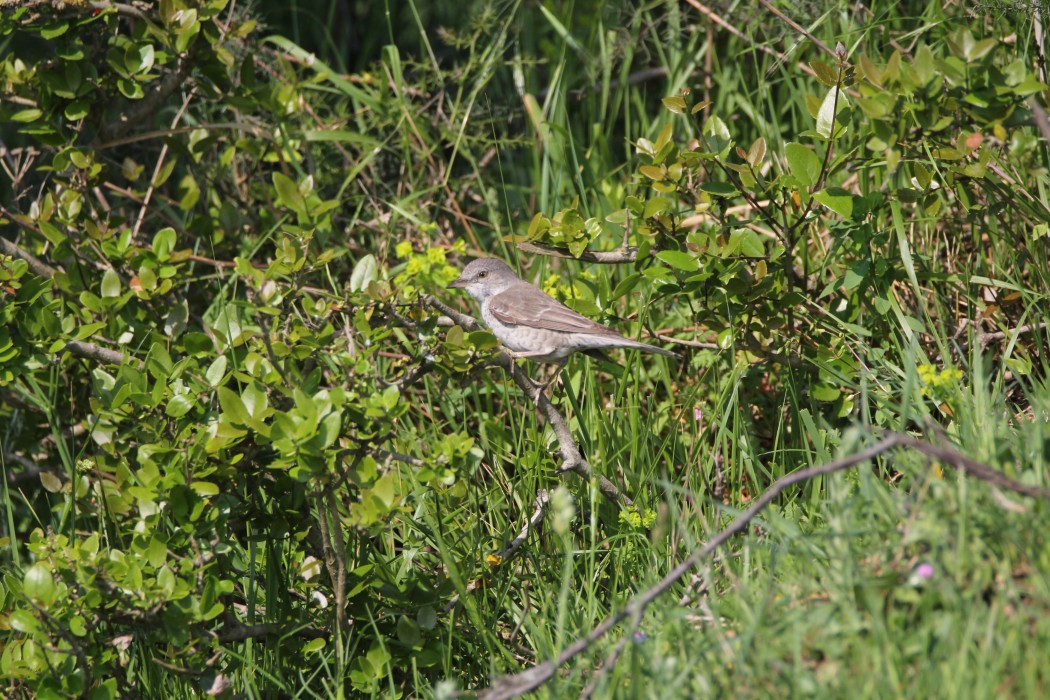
88 330
52 233
314 645
979 49
1029 86
232 406
717 135
255 402
22 620
833 103
924 65
856 274
391 395
826 394
408 632
870 71
205 488
748 242
803 164
216 371
26 115
757 153
110 284
679 260
675 103
366 270
50 482
653 172
426 617
625 286
141 60
164 242
825 73
656 205
78 626
719 189
837 200
704 104
39 585
54 30
131 89
288 193
77 110
663 138
178 406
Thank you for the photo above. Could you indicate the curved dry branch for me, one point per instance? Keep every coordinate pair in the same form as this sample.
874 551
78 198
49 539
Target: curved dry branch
510 686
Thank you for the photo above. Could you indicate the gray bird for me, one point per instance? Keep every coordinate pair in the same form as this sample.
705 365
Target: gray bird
532 324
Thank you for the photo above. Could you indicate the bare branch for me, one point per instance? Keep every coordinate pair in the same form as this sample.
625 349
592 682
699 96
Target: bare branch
36 265
122 8
798 28
90 351
984 338
237 632
625 254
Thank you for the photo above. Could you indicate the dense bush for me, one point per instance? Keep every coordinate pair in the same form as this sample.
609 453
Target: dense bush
240 451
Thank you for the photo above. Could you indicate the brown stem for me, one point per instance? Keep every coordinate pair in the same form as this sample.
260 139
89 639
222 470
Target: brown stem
36 265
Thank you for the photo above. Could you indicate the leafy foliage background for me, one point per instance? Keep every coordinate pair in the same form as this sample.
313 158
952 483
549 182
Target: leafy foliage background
242 454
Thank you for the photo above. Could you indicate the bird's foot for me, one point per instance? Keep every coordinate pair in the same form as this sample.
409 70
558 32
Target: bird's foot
549 383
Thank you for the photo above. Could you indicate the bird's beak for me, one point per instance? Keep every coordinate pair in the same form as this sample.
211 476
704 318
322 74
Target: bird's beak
458 283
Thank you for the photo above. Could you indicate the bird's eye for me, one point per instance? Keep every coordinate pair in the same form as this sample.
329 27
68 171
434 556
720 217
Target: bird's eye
481 275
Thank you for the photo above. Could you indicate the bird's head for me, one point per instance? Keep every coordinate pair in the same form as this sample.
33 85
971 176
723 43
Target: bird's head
484 278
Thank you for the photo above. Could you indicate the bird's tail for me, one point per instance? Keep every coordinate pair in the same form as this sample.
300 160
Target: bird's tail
654 349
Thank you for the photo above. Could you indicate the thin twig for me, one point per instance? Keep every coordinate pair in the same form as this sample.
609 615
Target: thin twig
539 510
798 28
159 167
625 254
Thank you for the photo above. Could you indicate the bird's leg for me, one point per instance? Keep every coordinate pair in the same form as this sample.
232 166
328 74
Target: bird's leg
514 366
558 367
544 353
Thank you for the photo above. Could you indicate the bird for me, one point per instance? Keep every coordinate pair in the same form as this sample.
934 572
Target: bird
531 323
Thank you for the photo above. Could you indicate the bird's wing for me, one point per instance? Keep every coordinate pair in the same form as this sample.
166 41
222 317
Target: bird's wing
525 305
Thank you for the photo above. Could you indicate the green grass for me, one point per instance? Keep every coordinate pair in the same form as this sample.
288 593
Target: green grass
899 578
